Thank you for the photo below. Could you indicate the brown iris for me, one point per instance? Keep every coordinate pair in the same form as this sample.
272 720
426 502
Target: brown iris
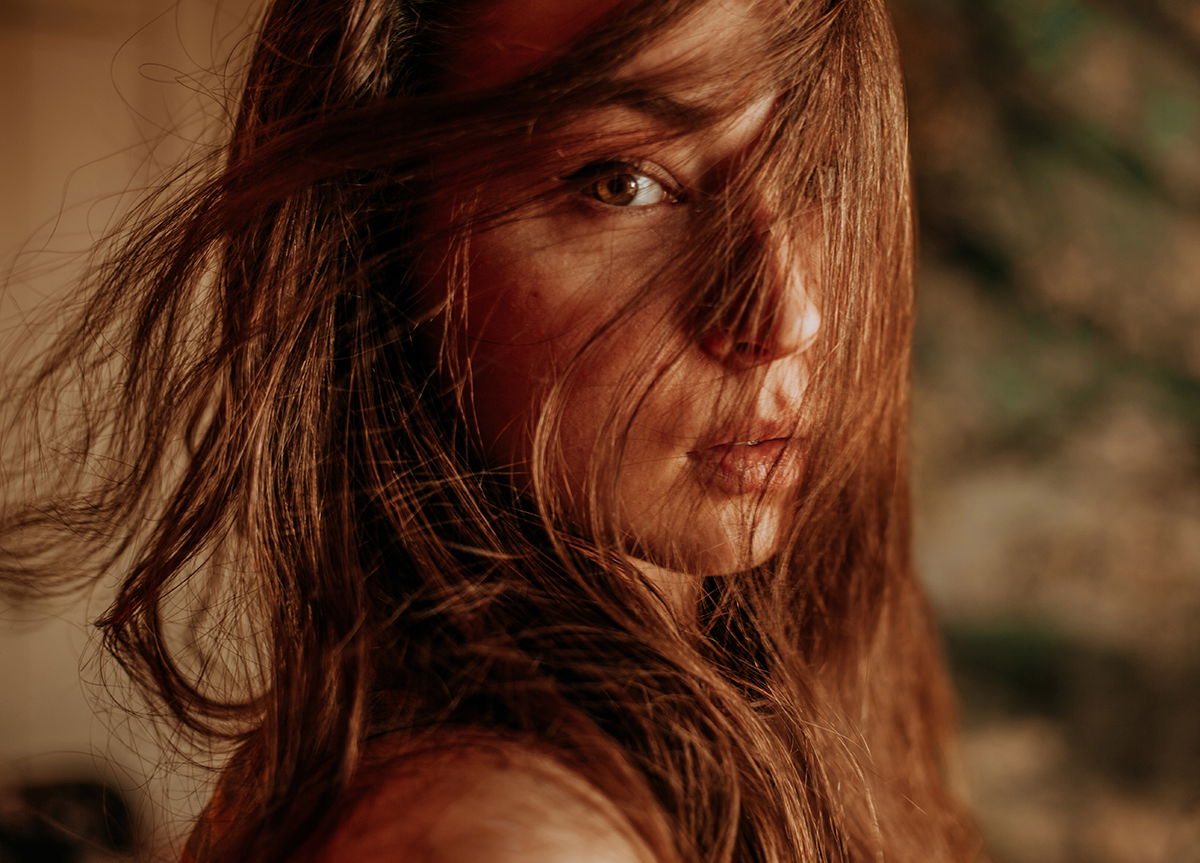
618 190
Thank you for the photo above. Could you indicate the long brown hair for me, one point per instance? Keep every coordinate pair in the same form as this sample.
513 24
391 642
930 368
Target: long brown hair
312 548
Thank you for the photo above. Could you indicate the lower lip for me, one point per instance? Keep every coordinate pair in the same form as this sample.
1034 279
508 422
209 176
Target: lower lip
739 469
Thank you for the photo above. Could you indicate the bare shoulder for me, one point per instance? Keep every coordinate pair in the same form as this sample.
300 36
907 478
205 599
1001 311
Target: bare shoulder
474 799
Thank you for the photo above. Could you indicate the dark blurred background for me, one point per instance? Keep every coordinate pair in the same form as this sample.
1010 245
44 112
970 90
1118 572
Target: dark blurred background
1057 402
1057 411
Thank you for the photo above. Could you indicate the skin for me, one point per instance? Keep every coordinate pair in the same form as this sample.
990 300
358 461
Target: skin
542 285
478 799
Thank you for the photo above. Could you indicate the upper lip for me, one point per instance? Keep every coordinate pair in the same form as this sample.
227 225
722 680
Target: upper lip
751 431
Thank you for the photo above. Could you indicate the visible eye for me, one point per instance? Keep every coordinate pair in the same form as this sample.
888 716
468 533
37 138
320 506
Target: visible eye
622 184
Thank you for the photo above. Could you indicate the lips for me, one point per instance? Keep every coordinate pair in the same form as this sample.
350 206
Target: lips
748 467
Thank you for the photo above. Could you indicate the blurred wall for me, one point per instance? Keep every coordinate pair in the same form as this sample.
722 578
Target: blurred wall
96 97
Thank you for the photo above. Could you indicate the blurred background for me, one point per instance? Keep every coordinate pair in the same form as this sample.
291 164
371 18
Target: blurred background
1056 415
1057 411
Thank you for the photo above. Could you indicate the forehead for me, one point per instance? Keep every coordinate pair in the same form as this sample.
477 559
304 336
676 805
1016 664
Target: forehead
512 36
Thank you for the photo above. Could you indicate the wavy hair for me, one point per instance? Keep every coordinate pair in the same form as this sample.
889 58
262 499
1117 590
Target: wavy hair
270 444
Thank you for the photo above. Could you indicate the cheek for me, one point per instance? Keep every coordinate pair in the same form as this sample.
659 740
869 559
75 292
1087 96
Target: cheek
540 289
547 318
529 311
528 318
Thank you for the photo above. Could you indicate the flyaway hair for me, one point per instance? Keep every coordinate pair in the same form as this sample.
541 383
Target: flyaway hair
274 448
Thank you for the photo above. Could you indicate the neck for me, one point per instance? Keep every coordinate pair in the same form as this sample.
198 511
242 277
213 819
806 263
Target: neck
680 589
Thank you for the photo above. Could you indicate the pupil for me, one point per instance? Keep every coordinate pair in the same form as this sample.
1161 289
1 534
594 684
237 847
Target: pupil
621 188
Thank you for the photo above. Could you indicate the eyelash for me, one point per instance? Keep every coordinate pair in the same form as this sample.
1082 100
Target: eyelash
591 179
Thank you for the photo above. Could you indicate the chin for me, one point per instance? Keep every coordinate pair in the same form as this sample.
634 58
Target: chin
714 542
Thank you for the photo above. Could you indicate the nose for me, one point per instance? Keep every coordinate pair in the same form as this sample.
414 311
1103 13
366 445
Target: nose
778 317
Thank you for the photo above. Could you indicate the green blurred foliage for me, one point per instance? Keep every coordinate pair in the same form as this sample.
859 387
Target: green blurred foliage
1056 148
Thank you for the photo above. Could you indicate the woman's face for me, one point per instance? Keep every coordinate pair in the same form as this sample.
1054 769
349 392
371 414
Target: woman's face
693 492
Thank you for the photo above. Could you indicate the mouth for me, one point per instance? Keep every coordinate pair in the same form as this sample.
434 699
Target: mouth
748 467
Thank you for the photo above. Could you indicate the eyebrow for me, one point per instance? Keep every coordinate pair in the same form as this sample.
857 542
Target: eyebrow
668 110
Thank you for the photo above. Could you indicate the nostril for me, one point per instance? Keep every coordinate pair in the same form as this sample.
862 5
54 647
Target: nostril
723 346
749 351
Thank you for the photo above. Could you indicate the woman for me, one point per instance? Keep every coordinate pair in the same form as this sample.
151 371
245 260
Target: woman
506 452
